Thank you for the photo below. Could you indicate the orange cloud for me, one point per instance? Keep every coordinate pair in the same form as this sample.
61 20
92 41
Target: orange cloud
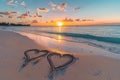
10 16
35 21
23 16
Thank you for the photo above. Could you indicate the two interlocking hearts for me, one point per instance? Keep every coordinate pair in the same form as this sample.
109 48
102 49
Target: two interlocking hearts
30 55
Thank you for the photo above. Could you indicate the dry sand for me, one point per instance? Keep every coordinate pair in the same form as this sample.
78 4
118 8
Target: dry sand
87 67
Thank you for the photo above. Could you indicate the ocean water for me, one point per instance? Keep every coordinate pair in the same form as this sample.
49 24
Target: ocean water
69 39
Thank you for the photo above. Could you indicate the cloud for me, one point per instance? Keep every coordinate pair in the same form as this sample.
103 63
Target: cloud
11 16
39 10
35 21
54 6
39 15
77 8
83 20
62 6
35 15
9 13
16 3
24 15
29 15
23 3
12 2
87 20
2 16
21 17
4 13
42 10
14 13
68 20
77 19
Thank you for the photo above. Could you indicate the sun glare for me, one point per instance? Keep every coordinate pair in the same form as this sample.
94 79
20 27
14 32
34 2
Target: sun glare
59 23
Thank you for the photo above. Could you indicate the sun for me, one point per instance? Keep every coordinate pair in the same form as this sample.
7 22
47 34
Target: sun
59 23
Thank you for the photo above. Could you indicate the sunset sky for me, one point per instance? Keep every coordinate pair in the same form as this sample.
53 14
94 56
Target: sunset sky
70 12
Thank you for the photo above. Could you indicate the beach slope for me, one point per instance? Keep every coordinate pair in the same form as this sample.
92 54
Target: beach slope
86 67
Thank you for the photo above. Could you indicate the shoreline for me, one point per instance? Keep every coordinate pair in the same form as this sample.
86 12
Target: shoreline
87 67
65 44
91 50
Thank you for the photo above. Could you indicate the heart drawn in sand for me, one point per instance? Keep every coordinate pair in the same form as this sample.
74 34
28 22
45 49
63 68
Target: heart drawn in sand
33 54
65 60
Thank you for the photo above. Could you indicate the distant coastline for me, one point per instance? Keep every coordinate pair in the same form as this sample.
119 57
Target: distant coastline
20 24
13 24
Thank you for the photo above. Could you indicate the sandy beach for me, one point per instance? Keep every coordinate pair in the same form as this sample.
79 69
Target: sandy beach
87 67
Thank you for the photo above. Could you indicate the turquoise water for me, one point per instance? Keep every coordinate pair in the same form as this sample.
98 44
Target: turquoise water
104 37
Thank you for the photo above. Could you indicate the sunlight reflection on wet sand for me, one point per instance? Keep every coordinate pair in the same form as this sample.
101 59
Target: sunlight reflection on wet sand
63 47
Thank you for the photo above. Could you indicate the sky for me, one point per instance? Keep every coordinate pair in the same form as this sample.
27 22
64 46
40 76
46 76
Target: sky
71 12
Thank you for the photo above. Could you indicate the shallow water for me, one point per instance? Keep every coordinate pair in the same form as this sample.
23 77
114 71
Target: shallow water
69 39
